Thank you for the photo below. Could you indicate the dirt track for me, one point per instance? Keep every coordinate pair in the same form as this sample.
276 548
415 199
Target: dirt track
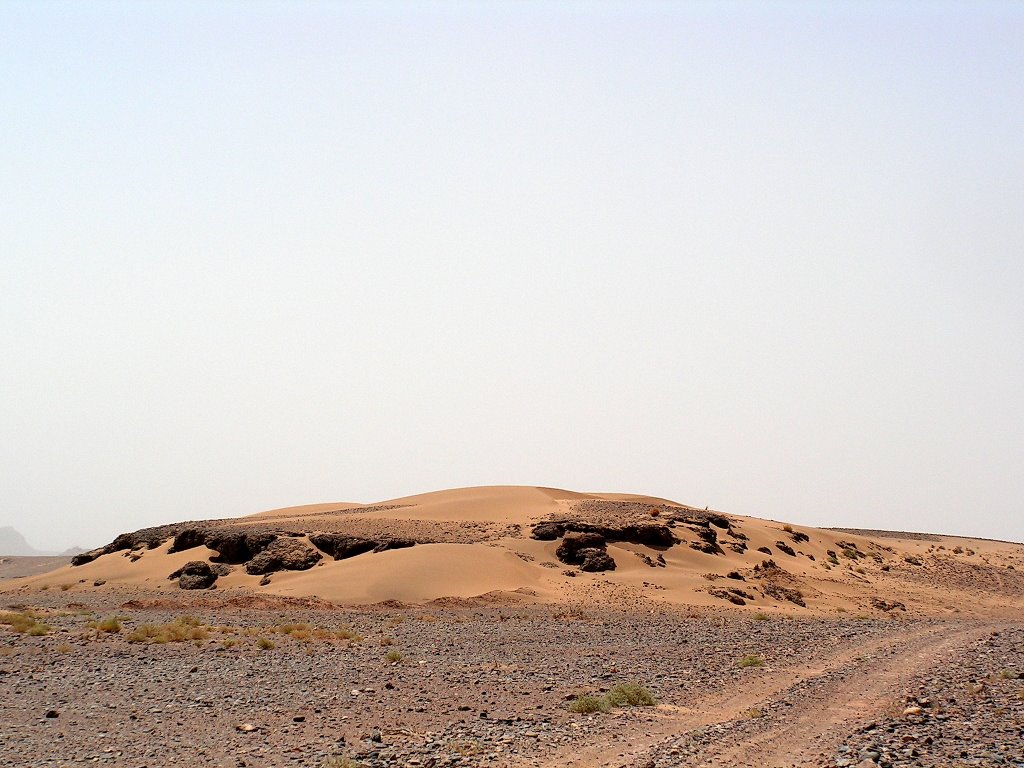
805 711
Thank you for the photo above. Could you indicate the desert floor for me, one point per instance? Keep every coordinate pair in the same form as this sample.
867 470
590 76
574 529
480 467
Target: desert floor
275 681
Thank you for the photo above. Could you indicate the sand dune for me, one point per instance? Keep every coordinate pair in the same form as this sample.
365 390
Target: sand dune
470 542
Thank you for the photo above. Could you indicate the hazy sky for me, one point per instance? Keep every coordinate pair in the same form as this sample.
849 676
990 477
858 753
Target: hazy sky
763 257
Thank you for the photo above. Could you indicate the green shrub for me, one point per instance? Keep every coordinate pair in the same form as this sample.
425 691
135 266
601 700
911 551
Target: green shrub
751 660
586 704
394 656
630 695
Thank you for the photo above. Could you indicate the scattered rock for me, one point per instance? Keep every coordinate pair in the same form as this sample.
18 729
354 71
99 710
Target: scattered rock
195 574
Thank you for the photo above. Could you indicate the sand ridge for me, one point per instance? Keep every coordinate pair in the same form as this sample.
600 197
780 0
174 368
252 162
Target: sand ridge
471 542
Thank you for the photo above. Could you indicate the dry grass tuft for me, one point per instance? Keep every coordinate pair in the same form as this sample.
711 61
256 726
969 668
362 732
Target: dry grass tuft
182 629
24 622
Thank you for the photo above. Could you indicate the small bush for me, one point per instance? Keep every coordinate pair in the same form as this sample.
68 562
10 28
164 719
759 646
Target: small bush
265 645
25 623
587 704
66 587
759 616
109 624
630 695
787 528
850 553
751 660
394 657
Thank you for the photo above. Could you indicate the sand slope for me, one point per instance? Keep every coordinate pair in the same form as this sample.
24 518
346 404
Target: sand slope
473 542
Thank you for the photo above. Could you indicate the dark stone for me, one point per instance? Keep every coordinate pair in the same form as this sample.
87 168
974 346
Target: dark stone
195 574
569 550
284 554
548 531
594 560
648 534
341 546
882 605
86 557
766 550
784 547
187 539
779 592
238 547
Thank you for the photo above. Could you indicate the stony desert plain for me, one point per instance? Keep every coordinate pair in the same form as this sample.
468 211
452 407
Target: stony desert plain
514 626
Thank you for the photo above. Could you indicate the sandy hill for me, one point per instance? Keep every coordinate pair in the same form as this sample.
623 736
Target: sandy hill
543 544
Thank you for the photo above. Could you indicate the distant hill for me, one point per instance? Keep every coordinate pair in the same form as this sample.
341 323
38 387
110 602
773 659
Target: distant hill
13 543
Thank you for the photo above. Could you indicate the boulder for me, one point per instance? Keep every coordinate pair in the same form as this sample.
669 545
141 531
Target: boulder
548 531
569 550
593 560
285 554
195 574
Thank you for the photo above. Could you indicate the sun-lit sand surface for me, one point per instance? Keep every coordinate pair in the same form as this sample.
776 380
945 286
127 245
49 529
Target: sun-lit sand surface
475 542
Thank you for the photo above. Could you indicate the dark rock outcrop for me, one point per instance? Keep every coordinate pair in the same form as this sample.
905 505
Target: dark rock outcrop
707 540
882 605
784 547
148 538
593 560
648 534
283 554
195 574
586 550
87 557
779 592
238 547
569 550
341 546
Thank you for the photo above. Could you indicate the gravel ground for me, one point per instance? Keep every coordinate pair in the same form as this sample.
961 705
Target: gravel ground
474 686
967 713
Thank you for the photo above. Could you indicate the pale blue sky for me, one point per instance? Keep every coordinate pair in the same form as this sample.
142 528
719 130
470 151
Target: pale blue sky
763 257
